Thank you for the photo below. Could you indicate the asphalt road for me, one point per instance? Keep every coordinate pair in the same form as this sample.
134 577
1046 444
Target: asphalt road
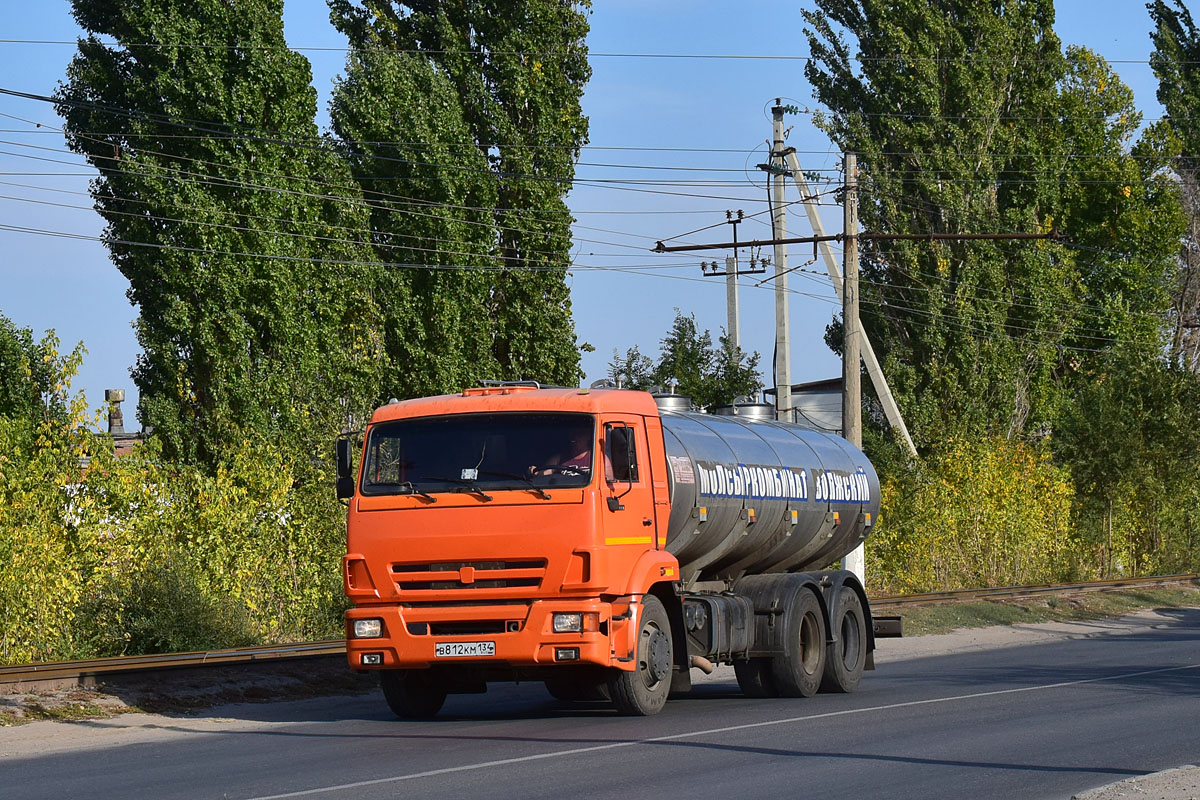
1046 720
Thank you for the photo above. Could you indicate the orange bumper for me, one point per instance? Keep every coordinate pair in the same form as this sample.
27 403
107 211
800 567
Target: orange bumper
522 636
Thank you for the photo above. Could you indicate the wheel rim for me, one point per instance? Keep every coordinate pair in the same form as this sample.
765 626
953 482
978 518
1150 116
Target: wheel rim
810 644
656 664
851 641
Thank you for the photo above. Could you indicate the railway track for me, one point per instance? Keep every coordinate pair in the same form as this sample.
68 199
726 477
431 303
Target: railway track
1013 592
23 677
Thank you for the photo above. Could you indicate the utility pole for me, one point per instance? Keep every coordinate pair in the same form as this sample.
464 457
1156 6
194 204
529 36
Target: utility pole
731 297
783 352
791 166
855 561
732 270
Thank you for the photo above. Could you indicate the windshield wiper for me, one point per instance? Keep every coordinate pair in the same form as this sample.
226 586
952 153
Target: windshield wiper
412 489
525 479
465 487
406 485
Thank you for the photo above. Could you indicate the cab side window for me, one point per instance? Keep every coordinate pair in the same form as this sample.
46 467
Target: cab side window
620 454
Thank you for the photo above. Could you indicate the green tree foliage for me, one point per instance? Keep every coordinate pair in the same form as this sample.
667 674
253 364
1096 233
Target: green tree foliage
632 370
691 365
221 207
1130 441
487 161
1176 63
947 105
104 556
432 197
30 385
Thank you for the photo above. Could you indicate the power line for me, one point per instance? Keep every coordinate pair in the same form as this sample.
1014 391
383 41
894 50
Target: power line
557 53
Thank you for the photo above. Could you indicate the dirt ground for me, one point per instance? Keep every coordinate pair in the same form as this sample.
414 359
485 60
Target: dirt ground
1182 783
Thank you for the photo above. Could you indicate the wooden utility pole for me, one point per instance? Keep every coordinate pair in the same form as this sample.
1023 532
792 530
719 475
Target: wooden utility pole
783 352
855 561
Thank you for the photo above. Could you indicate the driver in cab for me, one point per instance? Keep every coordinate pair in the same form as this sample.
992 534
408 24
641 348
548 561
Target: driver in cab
574 459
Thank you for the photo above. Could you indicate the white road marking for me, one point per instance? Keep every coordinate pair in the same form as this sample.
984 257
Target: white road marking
709 732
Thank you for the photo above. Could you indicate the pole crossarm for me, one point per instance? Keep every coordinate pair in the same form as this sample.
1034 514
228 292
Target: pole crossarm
659 247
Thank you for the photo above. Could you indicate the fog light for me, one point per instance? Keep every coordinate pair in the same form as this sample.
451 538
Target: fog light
568 623
566 654
368 628
372 659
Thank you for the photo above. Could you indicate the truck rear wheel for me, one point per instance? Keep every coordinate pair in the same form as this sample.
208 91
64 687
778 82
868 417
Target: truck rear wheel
848 655
412 693
644 691
798 671
754 677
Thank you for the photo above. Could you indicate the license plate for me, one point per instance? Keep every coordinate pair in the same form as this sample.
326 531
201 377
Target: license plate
464 649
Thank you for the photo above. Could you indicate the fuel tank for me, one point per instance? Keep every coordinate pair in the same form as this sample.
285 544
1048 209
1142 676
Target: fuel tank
750 495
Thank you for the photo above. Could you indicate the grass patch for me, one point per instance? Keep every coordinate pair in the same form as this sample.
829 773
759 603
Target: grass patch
944 618
10 718
66 712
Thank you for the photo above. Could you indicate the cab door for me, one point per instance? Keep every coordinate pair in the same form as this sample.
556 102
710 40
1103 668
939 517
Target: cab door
629 514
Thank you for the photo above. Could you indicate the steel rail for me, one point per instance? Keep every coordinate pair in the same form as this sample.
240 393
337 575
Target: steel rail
67 670
967 595
90 668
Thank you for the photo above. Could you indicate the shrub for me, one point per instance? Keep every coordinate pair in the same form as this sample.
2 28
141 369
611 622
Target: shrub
988 512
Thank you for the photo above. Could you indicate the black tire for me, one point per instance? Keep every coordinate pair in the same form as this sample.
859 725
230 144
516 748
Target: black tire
572 690
798 671
754 677
847 656
412 693
644 691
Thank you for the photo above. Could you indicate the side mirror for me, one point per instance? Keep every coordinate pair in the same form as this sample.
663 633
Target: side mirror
345 469
620 455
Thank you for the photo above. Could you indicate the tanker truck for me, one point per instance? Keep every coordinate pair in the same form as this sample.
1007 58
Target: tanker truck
604 541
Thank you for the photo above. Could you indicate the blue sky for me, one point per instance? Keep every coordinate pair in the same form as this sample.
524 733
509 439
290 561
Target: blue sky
717 109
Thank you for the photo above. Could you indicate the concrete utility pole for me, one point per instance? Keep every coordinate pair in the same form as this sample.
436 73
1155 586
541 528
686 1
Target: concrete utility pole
854 561
732 270
851 333
783 352
731 300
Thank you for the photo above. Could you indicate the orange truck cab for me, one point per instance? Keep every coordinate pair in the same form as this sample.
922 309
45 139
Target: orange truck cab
513 532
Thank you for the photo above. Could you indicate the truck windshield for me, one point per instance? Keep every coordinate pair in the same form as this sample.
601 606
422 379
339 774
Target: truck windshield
476 453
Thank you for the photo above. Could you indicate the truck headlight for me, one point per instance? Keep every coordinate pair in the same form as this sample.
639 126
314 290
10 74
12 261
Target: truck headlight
568 623
368 628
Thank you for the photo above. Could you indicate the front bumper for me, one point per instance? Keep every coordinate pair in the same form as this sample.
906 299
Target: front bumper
522 634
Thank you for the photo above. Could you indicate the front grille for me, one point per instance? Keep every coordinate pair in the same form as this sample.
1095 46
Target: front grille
469 575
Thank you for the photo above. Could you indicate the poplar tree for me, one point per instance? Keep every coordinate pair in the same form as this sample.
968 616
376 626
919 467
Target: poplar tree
240 232
1176 63
517 72
432 197
970 118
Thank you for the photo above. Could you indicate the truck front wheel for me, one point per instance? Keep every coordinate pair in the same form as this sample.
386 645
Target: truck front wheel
644 691
798 670
412 693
